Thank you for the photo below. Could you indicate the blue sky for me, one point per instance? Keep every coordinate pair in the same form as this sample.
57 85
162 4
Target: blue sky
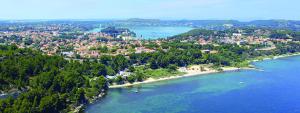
158 9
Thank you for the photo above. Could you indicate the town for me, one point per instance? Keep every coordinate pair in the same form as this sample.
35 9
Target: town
114 41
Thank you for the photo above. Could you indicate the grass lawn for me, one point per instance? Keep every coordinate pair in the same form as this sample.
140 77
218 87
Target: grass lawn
160 73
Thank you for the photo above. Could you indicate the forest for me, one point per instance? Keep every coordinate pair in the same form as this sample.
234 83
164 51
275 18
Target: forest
52 83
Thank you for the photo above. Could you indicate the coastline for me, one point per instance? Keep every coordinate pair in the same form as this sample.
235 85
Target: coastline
286 55
189 74
276 57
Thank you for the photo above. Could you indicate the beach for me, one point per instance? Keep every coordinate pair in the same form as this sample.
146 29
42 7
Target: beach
270 90
199 73
188 74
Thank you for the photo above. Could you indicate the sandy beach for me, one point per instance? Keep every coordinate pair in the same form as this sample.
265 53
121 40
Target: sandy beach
188 74
198 73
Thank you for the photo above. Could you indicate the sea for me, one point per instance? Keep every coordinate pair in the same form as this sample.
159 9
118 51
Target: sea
274 88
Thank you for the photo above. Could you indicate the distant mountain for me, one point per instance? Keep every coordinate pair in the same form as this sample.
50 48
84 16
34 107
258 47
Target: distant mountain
210 24
204 24
142 20
275 24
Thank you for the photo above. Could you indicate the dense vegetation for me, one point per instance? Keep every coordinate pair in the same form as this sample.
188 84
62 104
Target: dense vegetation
179 54
195 33
53 84
285 34
248 31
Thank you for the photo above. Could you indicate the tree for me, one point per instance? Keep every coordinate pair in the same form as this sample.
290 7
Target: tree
99 69
139 76
172 67
131 78
153 64
131 69
110 71
99 83
119 80
49 104
79 96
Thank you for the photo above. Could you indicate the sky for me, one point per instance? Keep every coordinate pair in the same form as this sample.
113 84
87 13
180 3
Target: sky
150 9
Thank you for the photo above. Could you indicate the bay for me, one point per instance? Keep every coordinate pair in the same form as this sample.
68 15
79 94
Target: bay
155 32
276 89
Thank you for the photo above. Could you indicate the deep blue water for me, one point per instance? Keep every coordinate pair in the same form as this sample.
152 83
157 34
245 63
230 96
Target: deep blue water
274 90
155 32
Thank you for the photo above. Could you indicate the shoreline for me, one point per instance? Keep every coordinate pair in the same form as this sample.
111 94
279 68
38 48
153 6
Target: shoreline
190 74
286 55
276 57
225 69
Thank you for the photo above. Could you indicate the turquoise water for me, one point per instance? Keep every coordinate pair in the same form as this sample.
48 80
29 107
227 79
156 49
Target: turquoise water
155 32
274 90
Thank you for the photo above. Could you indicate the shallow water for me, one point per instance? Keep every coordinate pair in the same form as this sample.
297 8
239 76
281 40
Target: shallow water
274 90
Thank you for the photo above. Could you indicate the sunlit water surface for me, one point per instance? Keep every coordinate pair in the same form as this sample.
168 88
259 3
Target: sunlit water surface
274 90
155 32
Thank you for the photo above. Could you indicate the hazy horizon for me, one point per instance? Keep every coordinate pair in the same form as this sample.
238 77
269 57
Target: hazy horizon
122 19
